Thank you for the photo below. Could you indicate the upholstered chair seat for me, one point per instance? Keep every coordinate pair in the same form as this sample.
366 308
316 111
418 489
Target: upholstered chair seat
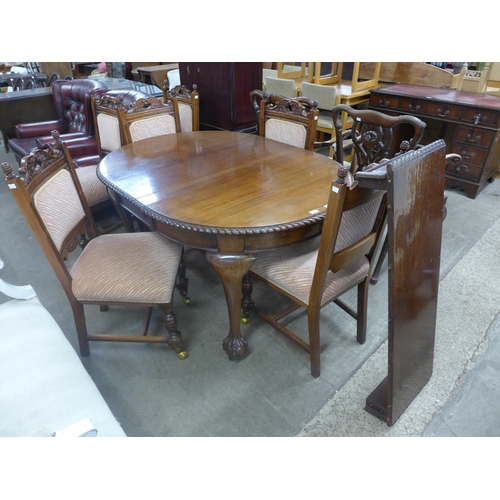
150 279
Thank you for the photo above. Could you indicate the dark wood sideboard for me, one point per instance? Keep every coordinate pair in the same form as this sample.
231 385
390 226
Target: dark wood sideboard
468 122
224 89
24 106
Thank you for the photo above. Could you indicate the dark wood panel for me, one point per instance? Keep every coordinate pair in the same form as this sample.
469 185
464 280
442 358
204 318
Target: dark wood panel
224 92
25 106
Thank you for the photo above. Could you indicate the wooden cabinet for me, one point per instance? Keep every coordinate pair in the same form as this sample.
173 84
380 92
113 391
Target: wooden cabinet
224 90
468 122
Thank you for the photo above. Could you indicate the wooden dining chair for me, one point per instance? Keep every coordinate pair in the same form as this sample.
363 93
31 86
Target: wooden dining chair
146 118
318 271
287 120
187 104
373 138
124 269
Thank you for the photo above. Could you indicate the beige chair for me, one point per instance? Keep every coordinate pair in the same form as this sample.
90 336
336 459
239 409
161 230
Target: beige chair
125 269
327 97
291 121
317 272
187 104
147 118
273 73
281 86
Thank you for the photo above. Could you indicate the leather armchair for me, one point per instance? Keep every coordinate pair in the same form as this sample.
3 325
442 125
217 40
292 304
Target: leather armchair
75 123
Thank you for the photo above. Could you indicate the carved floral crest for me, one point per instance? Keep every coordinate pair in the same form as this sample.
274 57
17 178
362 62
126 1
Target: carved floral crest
146 103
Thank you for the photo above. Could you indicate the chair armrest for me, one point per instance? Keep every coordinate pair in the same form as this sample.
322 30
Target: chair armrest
40 129
82 146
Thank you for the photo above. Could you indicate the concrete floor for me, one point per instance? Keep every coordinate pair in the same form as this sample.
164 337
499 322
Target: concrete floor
271 393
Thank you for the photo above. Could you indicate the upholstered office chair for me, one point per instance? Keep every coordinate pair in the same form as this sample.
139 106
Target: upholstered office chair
291 121
316 272
375 137
327 97
148 118
281 86
136 269
187 104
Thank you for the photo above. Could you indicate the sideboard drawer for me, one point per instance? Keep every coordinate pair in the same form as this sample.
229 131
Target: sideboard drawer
384 101
477 116
411 105
443 111
474 136
471 155
466 172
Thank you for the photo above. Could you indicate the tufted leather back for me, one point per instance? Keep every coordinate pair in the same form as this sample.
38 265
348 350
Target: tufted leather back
72 102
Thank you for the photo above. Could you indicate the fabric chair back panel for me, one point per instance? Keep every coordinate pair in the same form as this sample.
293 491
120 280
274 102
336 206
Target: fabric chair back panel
186 117
109 132
152 127
150 279
356 224
59 196
289 133
94 190
325 95
280 86
292 270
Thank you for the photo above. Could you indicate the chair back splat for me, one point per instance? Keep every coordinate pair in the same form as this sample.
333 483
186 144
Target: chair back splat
375 136
314 273
136 269
147 118
284 119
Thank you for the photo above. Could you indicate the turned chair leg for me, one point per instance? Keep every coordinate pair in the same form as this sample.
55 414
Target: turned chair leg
246 299
174 335
181 282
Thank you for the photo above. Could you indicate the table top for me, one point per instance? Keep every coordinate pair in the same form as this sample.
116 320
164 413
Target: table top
445 95
222 182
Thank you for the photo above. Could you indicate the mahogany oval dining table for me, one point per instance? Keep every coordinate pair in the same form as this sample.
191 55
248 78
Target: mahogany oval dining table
231 194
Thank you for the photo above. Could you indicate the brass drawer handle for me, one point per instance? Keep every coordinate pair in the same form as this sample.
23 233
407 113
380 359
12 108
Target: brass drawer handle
444 113
470 137
459 167
411 108
384 103
465 157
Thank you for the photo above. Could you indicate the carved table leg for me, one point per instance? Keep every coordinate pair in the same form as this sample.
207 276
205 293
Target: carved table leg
231 268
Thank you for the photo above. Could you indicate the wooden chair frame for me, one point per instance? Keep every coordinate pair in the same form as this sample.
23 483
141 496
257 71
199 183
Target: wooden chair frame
301 110
341 199
143 109
180 95
375 136
35 170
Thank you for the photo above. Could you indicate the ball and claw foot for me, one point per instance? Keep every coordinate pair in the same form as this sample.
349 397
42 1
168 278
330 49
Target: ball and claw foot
245 320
